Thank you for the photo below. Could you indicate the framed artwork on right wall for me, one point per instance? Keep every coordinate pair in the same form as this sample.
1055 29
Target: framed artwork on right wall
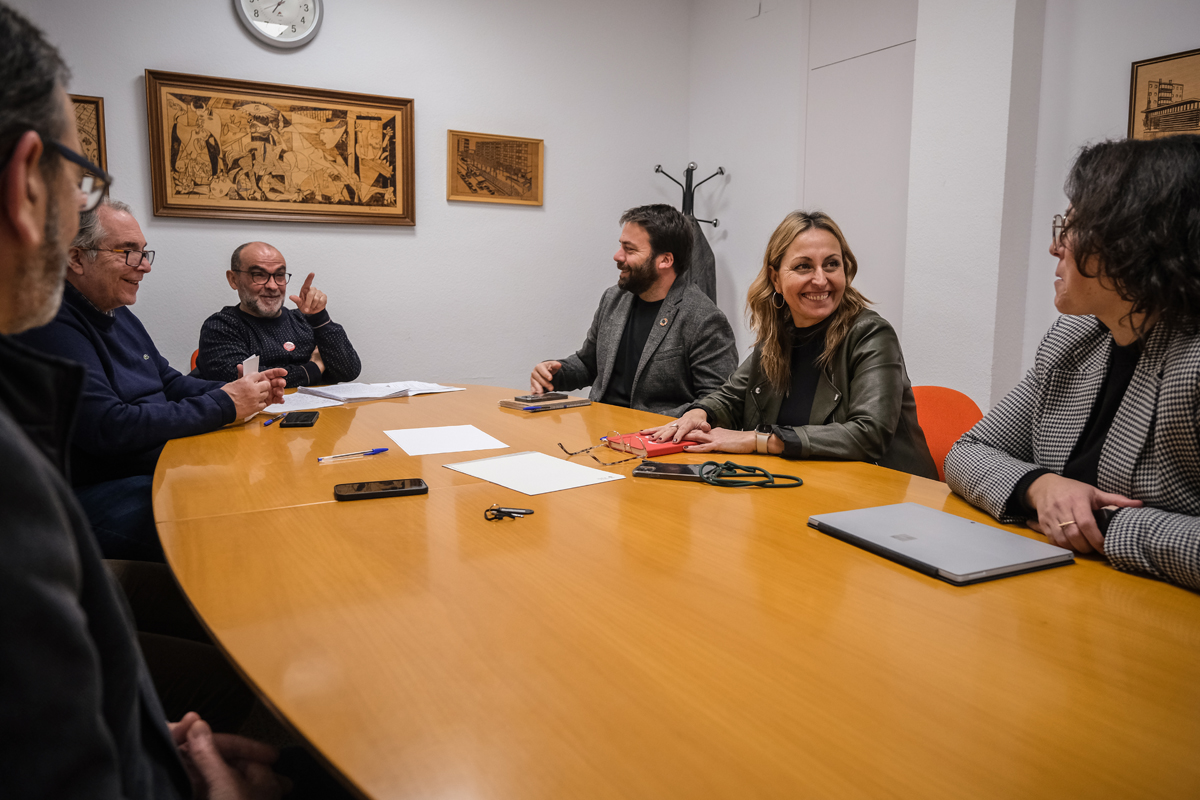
487 168
1164 96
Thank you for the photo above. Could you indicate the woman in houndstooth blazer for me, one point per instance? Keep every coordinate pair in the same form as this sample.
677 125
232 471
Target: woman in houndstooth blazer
1098 447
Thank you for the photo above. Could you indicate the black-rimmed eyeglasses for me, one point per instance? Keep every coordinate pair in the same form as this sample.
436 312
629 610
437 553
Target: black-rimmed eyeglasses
133 258
263 278
93 184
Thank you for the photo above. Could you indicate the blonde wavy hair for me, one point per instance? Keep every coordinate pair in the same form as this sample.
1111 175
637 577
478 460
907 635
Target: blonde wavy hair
773 326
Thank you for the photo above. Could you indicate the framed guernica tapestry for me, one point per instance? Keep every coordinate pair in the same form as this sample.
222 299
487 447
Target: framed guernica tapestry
89 121
487 168
234 149
1164 96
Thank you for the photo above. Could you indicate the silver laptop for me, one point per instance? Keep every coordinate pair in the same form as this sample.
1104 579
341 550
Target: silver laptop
954 549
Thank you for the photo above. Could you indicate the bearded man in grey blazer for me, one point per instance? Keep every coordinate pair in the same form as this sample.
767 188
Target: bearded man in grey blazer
655 344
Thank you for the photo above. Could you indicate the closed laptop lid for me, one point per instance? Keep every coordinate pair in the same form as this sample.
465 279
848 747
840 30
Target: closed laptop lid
956 549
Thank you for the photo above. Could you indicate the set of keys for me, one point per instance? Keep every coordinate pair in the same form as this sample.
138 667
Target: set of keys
496 512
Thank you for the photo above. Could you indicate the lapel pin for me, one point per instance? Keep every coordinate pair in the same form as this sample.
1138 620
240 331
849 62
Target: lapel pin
289 346
662 323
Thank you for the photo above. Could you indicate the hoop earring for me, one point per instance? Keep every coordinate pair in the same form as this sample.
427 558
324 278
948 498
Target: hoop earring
781 303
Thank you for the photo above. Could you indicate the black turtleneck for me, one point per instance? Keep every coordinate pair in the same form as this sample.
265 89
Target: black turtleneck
807 346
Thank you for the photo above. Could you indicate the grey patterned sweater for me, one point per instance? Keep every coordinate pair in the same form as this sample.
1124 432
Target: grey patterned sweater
1152 452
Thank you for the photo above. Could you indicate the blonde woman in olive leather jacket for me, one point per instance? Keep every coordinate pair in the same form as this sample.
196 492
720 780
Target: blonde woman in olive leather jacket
826 379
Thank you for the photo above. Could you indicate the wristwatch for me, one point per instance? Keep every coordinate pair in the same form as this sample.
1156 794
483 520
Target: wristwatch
762 436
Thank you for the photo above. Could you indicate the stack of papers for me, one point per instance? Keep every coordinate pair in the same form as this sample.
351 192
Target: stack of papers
353 392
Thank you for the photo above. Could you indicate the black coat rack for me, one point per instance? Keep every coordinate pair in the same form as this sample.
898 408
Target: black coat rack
689 191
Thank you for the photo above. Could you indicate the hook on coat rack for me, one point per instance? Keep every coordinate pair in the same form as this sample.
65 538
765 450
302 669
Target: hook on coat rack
689 190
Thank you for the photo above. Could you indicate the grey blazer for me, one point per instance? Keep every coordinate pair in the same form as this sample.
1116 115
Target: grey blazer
1152 452
690 351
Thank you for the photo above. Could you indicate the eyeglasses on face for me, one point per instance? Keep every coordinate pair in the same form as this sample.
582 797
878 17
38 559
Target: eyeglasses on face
260 278
1057 229
133 258
94 182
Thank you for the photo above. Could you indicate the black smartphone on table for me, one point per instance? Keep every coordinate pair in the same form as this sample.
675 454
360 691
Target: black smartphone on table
545 397
371 489
672 472
299 419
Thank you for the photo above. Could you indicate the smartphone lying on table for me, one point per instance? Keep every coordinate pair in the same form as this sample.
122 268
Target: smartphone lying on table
544 397
372 489
672 472
299 419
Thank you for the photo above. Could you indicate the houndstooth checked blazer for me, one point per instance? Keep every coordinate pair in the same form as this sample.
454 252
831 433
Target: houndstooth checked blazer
1152 452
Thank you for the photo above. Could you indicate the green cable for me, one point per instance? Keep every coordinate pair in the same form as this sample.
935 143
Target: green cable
726 475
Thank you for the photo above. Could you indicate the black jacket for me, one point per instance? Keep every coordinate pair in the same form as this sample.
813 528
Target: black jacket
863 409
79 717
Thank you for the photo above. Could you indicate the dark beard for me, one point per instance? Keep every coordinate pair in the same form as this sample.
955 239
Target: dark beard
641 277
40 285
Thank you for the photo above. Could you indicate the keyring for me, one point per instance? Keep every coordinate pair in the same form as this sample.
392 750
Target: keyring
496 512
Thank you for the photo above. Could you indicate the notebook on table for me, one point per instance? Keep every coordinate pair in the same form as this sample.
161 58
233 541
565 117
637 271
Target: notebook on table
644 446
956 550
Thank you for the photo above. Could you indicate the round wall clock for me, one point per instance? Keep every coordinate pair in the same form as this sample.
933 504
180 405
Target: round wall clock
281 23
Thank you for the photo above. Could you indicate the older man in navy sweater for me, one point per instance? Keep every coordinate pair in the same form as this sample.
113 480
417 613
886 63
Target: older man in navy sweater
133 401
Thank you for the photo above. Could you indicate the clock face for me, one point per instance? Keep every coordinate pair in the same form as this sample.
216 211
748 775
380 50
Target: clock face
282 23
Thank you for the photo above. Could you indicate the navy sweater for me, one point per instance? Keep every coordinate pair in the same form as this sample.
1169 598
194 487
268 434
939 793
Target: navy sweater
230 336
133 401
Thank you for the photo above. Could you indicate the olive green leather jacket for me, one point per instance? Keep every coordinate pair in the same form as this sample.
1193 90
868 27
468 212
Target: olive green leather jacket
863 399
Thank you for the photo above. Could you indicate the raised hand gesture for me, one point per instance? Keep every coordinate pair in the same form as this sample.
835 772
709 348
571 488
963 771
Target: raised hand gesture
310 300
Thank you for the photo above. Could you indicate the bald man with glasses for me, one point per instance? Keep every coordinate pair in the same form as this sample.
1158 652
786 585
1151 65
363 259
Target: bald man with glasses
304 341
133 401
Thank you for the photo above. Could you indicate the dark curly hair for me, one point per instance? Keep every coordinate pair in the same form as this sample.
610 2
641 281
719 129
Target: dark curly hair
1135 218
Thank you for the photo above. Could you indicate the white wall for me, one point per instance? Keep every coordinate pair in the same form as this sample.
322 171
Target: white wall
1088 50
475 292
973 132
858 120
747 72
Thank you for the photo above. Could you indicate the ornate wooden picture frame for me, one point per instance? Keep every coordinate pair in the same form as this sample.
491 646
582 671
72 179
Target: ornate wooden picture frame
1164 96
230 149
89 121
485 168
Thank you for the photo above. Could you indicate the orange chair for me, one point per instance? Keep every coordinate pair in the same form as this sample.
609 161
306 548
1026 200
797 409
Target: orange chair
944 415
197 352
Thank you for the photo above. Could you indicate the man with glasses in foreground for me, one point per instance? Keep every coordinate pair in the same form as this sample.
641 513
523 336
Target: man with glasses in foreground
133 400
304 341
79 717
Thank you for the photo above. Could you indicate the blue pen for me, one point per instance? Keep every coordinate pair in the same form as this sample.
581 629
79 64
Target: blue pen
346 456
271 420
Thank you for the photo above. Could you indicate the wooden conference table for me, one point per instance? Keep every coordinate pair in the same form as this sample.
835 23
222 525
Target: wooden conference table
658 639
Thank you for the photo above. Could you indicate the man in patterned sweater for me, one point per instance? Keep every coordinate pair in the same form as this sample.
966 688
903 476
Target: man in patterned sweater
311 347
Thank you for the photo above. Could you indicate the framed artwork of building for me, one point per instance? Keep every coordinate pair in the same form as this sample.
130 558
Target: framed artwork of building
486 168
89 121
1164 96
234 149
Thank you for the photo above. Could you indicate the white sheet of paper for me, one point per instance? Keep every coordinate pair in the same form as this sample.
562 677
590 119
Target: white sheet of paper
533 473
300 402
250 365
445 439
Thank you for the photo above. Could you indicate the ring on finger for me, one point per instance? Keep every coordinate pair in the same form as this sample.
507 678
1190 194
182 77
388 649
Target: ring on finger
1065 524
